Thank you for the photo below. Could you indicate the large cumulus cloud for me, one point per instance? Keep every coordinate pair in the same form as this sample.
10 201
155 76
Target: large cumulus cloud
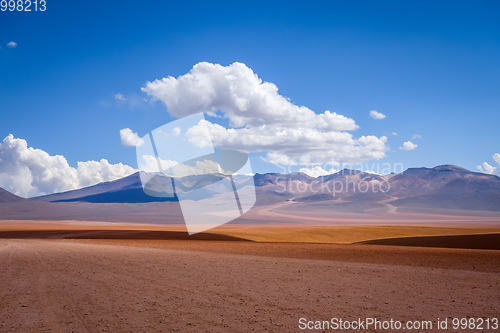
263 120
28 172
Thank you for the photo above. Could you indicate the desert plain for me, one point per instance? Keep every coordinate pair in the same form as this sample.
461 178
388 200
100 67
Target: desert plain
264 272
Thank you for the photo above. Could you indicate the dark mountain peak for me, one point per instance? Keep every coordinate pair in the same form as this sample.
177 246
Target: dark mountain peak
6 196
450 167
343 172
416 170
133 180
266 178
426 173
346 171
299 176
274 178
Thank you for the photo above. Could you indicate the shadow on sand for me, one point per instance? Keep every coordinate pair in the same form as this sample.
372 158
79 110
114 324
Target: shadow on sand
479 242
115 234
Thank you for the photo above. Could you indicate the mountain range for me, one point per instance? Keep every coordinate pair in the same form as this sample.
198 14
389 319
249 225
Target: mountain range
422 190
445 186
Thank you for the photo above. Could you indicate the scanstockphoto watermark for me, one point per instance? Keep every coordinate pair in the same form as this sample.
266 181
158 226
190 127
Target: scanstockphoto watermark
343 179
362 324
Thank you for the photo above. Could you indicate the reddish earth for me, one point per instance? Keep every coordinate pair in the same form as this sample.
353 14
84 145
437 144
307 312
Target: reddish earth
157 281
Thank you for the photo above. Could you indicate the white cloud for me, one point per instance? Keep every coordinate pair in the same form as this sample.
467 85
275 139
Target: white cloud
265 121
496 157
408 145
130 138
30 172
241 95
176 131
376 115
149 163
278 158
317 171
486 168
11 45
94 172
291 146
416 136
120 97
200 168
394 133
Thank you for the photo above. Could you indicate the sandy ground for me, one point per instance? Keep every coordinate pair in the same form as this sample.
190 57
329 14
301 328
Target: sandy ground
291 213
68 276
318 213
131 286
338 234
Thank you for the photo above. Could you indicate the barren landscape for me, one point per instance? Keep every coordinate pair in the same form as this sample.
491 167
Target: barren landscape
62 276
107 258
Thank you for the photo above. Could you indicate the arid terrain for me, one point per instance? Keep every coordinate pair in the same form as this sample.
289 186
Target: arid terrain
64 276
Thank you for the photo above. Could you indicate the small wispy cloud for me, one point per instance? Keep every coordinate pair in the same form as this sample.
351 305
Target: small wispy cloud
130 138
416 136
376 115
11 45
394 133
120 97
408 145
176 131
489 169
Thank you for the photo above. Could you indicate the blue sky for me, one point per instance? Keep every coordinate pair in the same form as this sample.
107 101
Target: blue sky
431 67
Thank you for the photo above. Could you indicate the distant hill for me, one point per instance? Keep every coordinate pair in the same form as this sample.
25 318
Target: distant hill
6 196
441 187
450 188
125 190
